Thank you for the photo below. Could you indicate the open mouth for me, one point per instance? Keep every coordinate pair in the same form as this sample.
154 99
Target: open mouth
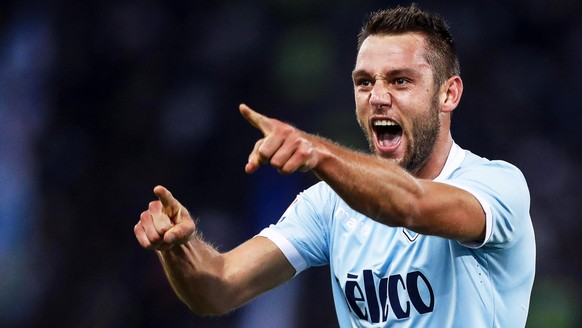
388 134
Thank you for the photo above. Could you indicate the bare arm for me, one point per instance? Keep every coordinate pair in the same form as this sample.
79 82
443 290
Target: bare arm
208 282
375 187
388 194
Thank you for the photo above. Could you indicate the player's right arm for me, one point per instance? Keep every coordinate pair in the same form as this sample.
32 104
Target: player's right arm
209 282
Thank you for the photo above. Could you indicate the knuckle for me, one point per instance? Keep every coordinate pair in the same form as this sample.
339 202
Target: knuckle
304 151
264 155
301 142
283 129
288 169
276 162
262 152
287 129
144 217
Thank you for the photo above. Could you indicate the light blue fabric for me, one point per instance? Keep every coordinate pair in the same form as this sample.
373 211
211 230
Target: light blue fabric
392 277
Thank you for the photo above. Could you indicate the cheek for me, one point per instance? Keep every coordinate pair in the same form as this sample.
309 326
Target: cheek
361 115
359 118
361 102
361 97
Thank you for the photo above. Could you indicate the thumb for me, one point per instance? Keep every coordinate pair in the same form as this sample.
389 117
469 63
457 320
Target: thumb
259 121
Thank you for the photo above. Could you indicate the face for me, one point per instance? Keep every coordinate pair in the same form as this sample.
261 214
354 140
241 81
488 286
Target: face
397 103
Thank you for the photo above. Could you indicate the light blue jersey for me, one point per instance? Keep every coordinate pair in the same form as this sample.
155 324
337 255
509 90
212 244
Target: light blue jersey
392 277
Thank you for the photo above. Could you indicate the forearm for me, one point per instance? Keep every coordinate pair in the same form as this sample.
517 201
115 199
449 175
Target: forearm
195 272
213 283
375 187
383 191
209 282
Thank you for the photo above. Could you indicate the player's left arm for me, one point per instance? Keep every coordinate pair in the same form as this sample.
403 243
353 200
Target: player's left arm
380 189
385 192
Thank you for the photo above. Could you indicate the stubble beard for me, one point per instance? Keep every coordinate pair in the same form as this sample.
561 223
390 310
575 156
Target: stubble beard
425 133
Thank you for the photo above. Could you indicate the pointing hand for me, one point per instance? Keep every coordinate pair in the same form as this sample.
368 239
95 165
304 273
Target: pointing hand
165 223
283 146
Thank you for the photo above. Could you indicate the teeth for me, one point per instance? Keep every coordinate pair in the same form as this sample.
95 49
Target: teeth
384 123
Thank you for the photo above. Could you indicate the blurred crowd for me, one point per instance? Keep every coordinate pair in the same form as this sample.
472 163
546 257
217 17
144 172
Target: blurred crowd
102 100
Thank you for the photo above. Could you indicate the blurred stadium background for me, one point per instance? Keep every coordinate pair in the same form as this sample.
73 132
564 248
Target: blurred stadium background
102 100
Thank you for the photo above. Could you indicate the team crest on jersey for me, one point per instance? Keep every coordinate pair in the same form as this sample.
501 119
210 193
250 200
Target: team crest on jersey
411 235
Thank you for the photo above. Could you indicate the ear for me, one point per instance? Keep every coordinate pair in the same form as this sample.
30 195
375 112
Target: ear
450 94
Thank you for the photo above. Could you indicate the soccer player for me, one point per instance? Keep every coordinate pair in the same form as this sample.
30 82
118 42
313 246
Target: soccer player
420 233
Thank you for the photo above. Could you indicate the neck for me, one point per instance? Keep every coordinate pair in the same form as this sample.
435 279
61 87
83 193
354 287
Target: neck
435 163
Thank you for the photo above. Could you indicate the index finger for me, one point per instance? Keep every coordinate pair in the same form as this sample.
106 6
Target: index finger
258 120
170 204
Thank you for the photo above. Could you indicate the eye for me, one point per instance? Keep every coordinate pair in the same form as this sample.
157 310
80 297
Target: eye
366 83
363 82
400 81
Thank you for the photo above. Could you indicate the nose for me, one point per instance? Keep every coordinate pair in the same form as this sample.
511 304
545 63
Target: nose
380 96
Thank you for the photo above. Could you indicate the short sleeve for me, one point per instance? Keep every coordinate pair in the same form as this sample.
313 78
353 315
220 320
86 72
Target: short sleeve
504 195
302 232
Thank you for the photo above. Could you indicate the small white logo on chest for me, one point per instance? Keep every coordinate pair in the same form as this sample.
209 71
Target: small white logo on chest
352 223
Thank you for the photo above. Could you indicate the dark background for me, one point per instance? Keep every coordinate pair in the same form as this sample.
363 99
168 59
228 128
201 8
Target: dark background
102 100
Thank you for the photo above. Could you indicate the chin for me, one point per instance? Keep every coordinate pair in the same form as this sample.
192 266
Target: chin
388 157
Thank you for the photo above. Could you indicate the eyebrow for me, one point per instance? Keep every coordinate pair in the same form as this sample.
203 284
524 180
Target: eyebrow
394 72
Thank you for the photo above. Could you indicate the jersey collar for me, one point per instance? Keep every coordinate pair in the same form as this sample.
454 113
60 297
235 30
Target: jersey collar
456 156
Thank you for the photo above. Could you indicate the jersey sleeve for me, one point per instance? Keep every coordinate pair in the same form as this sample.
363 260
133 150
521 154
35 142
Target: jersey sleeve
503 193
302 232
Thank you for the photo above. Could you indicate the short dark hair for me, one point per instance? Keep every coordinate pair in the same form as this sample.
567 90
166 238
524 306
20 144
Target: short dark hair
441 53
